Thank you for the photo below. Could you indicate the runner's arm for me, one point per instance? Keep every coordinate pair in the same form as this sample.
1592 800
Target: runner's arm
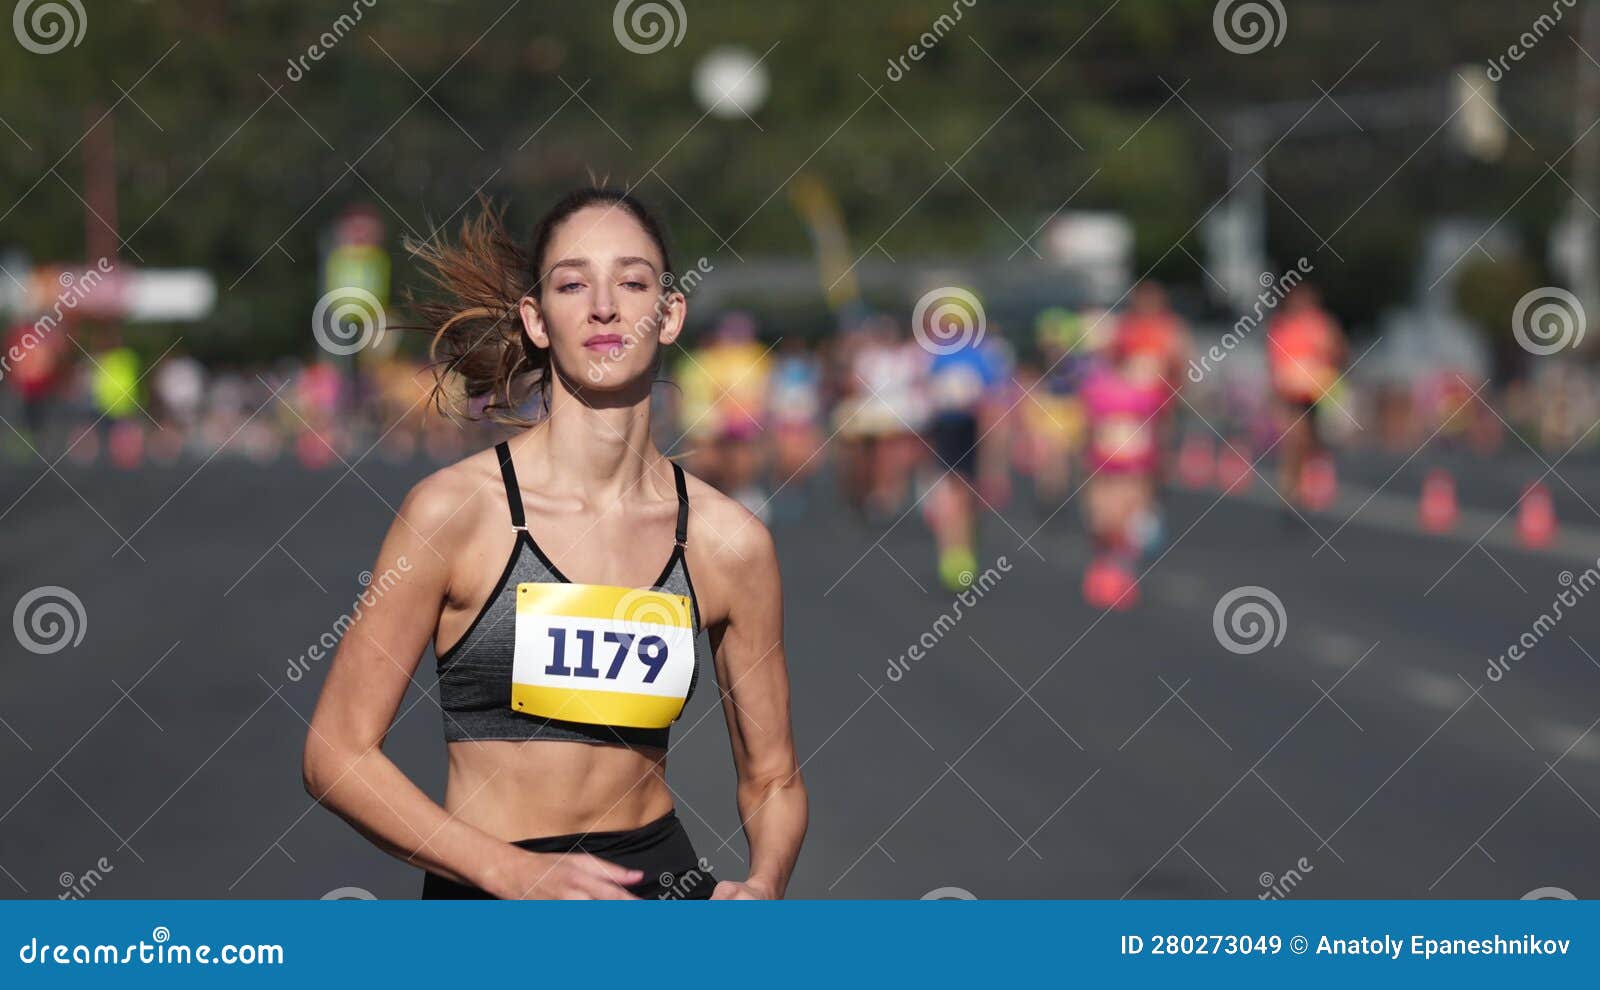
753 672
344 765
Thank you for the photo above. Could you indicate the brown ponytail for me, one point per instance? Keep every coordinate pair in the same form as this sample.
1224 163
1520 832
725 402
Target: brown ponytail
478 283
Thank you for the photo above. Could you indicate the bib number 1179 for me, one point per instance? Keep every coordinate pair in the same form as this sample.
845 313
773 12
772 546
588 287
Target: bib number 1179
650 650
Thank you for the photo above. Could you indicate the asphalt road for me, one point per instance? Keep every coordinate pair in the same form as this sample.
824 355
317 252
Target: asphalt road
1037 749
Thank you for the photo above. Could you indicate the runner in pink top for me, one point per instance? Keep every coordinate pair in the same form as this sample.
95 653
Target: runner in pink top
1123 455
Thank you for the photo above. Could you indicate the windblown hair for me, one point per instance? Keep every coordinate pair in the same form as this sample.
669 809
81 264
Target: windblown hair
472 311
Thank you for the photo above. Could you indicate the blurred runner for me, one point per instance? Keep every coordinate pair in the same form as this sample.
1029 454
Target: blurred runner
724 409
879 416
795 406
1124 400
179 383
959 381
36 375
1053 412
116 396
1154 340
1305 352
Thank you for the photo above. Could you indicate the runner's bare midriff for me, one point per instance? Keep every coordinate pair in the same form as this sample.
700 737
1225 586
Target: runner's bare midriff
526 789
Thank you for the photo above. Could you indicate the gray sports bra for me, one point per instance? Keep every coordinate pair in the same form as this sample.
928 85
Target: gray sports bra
475 675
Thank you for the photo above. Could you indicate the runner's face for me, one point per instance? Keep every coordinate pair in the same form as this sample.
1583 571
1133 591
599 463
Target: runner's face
601 308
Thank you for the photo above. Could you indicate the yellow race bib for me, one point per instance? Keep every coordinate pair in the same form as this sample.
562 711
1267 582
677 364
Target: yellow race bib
602 655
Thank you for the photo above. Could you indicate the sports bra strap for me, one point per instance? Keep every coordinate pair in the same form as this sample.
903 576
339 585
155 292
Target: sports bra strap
683 505
508 474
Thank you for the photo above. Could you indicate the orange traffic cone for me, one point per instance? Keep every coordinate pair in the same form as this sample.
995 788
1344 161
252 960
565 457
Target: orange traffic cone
1319 484
1438 510
125 444
1108 584
1194 462
311 450
1536 517
1233 469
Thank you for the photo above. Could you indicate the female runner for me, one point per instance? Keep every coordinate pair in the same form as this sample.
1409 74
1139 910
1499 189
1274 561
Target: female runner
553 574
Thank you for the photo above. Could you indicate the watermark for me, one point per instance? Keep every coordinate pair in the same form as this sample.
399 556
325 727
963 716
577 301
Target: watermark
929 39
74 290
947 320
76 888
328 641
1245 27
348 319
1274 290
329 39
160 950
49 619
1576 587
1276 888
349 894
648 325
45 28
1547 320
654 25
678 886
976 588
1549 894
949 894
1249 619
1529 39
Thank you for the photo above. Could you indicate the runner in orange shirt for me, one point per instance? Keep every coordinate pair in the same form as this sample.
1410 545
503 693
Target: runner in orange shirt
1305 352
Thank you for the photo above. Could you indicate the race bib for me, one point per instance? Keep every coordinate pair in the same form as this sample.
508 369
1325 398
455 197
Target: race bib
602 655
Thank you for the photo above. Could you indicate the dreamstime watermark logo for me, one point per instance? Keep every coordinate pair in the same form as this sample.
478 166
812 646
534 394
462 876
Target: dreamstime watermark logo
46 28
348 319
654 25
1245 27
684 284
1274 290
329 39
1249 619
1549 894
949 894
947 320
1576 585
1529 39
376 588
76 888
928 40
1547 320
678 886
49 619
74 290
1276 888
349 894
976 587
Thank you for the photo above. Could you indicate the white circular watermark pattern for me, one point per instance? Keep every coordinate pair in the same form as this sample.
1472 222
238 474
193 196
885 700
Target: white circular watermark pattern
1249 619
949 894
160 933
349 894
1245 27
347 320
1549 894
49 619
947 320
46 28
1547 320
654 25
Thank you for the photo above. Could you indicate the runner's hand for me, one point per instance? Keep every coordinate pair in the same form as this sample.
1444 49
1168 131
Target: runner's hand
733 890
563 876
